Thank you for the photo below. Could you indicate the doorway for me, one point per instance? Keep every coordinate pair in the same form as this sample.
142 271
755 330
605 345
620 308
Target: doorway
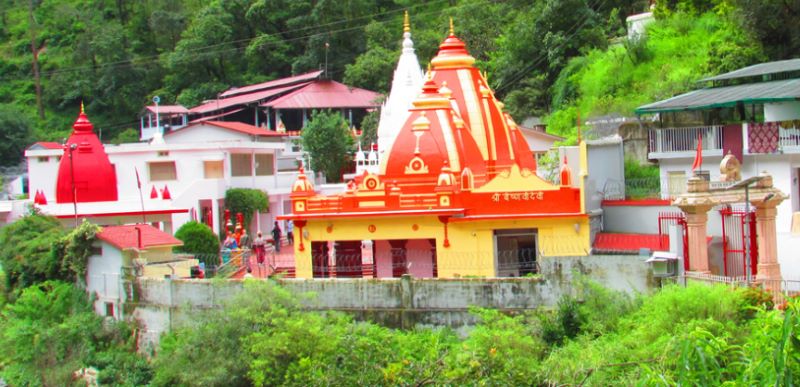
516 252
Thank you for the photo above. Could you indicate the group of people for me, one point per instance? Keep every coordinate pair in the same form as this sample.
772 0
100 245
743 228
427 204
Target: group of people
240 241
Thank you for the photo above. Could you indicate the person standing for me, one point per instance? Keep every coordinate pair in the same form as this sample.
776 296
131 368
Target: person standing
290 232
276 237
245 243
260 248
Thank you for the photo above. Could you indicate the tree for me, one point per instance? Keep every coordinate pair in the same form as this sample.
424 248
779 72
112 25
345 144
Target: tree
198 239
328 140
16 134
26 254
51 331
247 201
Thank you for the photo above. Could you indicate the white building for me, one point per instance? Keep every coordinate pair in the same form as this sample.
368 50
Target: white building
754 114
183 176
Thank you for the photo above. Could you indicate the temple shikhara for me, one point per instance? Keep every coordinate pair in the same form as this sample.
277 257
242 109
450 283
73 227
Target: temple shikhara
456 194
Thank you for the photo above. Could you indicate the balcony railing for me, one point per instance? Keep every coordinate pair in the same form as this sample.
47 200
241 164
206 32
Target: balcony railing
789 137
682 140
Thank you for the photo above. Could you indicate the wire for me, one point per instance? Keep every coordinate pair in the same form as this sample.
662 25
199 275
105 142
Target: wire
205 49
522 73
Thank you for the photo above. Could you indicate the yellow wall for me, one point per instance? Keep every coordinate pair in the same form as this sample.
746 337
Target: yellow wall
471 250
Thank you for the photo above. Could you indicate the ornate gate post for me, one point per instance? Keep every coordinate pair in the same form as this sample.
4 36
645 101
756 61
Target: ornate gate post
695 203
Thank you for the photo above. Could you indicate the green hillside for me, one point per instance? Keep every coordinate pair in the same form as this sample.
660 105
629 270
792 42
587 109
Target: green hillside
542 57
679 49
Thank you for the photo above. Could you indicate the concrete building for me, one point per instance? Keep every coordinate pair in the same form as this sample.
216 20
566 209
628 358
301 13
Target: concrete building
183 176
752 113
130 251
456 195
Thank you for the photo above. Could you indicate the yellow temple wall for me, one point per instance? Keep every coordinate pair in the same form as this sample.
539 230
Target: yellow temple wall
471 249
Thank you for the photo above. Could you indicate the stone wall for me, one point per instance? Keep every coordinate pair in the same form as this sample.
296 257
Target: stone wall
163 304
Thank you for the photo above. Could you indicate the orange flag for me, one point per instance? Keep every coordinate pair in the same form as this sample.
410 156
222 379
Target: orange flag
698 158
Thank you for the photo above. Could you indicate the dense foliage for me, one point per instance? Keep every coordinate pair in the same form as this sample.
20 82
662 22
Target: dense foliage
51 331
699 335
246 201
26 251
200 240
328 141
17 134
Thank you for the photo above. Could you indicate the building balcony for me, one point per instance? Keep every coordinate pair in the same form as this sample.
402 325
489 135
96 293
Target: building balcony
773 137
682 142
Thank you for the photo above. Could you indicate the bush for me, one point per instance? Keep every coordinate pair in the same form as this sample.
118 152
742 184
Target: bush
199 240
51 331
25 251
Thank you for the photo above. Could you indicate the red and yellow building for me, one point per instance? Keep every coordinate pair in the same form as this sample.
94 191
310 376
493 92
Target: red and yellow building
457 194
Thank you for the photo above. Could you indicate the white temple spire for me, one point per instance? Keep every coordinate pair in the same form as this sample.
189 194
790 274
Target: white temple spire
406 84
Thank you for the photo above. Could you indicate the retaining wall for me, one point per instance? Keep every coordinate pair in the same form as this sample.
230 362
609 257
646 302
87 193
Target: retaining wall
162 304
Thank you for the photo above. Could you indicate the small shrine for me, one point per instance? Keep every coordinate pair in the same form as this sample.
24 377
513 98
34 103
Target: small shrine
85 173
457 194
760 198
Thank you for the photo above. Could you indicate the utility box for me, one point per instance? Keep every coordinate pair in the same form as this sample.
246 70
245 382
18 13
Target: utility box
663 264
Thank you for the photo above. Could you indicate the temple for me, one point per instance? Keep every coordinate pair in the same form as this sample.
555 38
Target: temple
408 78
85 174
456 193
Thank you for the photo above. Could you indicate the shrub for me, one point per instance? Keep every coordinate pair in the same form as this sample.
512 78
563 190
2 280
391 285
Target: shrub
25 251
198 239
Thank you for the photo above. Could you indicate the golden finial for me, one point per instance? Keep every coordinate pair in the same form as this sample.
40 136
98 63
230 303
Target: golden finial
430 74
82 107
406 23
452 31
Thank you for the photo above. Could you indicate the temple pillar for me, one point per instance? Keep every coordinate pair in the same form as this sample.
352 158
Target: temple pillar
768 267
215 216
367 259
696 221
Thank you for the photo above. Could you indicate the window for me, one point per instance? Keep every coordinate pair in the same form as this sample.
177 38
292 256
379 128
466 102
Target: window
162 170
110 309
43 159
677 183
240 165
264 164
213 169
163 153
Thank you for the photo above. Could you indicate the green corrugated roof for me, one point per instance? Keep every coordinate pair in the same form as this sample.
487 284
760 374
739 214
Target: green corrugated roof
784 90
780 66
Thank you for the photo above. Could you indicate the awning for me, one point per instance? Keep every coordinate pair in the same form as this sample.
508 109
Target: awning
728 96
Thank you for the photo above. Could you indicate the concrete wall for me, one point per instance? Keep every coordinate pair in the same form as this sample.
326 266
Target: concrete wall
636 219
103 279
606 162
164 304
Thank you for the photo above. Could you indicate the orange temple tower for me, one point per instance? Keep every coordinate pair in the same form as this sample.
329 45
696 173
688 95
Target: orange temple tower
457 194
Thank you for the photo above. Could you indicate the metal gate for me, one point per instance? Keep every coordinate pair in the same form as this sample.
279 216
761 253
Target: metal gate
666 219
738 241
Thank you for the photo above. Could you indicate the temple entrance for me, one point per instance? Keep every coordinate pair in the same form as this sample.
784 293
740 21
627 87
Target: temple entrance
319 260
396 257
739 246
515 252
348 259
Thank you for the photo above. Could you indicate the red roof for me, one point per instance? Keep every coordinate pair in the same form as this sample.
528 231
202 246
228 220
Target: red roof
629 243
219 104
46 145
234 126
94 178
168 109
127 237
272 84
326 94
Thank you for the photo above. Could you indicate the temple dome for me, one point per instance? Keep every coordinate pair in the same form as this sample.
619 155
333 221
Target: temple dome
85 163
